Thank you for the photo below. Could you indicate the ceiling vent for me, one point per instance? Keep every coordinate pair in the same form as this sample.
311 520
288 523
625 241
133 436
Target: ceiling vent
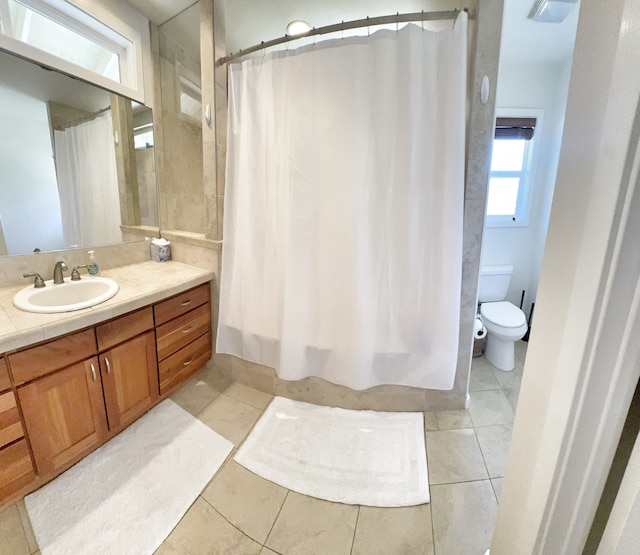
551 11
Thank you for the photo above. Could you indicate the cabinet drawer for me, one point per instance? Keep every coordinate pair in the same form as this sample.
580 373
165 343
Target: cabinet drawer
175 306
10 425
181 331
16 468
123 328
4 375
38 361
187 361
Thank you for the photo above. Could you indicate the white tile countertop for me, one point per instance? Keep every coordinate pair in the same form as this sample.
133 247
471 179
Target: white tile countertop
140 285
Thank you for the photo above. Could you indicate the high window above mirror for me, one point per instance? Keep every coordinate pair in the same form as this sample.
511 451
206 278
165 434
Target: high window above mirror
106 51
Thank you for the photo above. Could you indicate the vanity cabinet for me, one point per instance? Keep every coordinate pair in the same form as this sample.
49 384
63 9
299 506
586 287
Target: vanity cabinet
128 366
183 336
65 415
75 392
73 409
16 466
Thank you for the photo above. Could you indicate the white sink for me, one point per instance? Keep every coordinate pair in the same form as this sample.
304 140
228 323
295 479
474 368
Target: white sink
67 296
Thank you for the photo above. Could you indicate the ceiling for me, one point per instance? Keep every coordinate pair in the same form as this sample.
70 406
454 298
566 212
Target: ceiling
251 21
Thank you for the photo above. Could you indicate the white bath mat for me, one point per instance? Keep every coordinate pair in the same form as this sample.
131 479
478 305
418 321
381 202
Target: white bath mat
129 494
348 456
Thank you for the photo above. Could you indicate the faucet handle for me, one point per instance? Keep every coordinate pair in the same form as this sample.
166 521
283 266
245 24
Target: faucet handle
75 274
38 282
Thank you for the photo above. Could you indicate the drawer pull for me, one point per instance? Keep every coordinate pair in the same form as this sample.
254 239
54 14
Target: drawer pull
93 371
108 365
186 303
185 331
188 362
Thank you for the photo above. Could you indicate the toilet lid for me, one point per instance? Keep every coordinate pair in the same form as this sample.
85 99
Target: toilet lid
503 314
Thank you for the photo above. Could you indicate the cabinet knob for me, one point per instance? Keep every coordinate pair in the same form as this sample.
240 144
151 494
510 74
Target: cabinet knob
108 365
188 362
93 371
186 303
187 330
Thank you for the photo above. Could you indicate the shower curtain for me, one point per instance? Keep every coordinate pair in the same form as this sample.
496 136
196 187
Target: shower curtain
88 183
342 248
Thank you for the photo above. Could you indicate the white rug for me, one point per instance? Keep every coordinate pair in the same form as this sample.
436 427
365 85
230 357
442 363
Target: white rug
129 494
348 456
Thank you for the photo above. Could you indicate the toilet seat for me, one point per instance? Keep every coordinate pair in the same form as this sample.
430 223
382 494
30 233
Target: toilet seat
503 314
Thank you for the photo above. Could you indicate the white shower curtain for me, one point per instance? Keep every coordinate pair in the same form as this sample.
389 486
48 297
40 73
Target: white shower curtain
343 209
88 183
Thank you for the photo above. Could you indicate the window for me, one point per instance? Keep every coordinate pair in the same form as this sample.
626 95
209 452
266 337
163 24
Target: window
143 136
508 193
41 26
64 36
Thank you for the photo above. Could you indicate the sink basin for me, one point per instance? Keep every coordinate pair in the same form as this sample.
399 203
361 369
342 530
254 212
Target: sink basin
67 296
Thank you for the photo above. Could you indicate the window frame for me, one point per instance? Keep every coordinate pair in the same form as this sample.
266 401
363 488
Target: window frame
526 174
108 29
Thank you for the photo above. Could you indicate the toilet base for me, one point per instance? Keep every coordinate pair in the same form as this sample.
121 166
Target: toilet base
500 353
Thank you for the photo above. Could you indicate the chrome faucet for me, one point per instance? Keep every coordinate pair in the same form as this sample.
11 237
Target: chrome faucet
57 272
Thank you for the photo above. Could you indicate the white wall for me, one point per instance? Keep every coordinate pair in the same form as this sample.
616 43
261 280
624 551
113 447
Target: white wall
29 201
543 87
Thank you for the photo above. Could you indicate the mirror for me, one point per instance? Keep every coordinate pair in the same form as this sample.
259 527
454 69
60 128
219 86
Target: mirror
182 183
78 163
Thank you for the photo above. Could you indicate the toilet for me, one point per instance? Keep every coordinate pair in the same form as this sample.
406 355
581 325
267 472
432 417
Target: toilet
505 322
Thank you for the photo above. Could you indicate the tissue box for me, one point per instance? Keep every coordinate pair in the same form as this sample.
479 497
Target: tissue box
160 253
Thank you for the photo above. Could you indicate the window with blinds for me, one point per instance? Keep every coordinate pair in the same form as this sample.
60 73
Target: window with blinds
507 196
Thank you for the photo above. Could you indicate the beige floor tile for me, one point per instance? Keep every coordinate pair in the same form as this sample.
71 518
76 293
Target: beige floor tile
393 531
249 396
494 444
267 551
497 487
194 396
204 531
482 378
430 421
215 377
230 418
521 350
509 379
247 501
463 517
13 540
453 419
490 408
454 456
512 395
308 526
26 525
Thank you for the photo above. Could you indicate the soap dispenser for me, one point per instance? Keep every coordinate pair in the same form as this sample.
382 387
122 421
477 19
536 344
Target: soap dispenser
92 266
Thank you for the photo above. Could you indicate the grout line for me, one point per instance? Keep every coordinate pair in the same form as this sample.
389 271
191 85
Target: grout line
275 520
484 459
231 523
355 528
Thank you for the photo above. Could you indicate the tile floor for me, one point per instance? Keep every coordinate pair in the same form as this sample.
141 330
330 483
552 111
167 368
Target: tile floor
240 513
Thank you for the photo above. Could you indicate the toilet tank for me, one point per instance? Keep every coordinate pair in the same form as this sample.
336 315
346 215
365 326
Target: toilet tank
494 283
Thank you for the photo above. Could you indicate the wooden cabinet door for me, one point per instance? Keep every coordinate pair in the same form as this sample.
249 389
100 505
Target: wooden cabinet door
130 379
64 414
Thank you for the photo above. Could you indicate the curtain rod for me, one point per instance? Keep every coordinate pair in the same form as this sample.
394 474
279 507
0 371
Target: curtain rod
86 117
346 25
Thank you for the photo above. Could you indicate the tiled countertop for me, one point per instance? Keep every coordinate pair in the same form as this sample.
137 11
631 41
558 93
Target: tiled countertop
140 285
